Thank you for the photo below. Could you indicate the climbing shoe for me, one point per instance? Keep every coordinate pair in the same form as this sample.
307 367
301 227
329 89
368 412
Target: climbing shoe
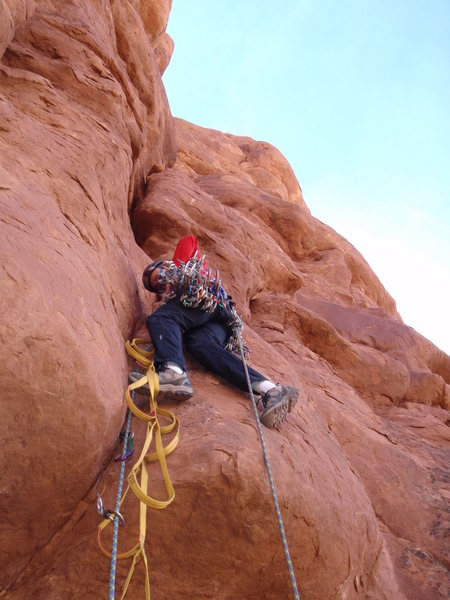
277 402
172 385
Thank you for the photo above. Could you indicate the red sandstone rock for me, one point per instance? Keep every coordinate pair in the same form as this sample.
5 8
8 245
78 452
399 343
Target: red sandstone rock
76 135
360 466
12 14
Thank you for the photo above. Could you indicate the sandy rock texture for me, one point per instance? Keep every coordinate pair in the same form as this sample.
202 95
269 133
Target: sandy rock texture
96 179
12 14
83 119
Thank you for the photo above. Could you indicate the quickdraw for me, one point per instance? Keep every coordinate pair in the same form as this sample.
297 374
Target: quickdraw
129 448
108 513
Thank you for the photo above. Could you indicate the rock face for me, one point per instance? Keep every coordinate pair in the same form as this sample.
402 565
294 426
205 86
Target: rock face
84 117
96 179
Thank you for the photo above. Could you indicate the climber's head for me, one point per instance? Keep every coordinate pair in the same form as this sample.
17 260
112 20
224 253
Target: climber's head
151 277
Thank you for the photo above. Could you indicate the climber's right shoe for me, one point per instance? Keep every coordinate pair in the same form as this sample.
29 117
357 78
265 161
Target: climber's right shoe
277 402
172 385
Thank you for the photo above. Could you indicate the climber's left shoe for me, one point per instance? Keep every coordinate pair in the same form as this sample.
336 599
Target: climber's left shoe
277 403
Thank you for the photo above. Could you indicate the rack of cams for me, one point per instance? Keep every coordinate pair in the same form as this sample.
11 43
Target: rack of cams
196 287
191 284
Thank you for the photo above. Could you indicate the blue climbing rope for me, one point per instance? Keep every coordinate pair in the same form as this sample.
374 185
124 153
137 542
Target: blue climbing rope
112 572
269 471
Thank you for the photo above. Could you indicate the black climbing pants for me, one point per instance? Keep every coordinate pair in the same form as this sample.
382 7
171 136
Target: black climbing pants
204 337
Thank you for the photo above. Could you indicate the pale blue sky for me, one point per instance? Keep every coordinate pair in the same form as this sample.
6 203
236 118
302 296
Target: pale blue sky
356 95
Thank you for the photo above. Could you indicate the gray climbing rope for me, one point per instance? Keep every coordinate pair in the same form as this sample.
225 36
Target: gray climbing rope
269 471
112 572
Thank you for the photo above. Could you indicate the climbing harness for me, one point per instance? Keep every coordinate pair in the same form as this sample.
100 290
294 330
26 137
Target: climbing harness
154 432
269 471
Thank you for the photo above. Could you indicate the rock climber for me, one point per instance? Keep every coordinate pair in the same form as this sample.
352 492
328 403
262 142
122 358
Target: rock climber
206 316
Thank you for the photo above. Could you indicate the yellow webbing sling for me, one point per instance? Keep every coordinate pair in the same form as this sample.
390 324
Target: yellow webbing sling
154 432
